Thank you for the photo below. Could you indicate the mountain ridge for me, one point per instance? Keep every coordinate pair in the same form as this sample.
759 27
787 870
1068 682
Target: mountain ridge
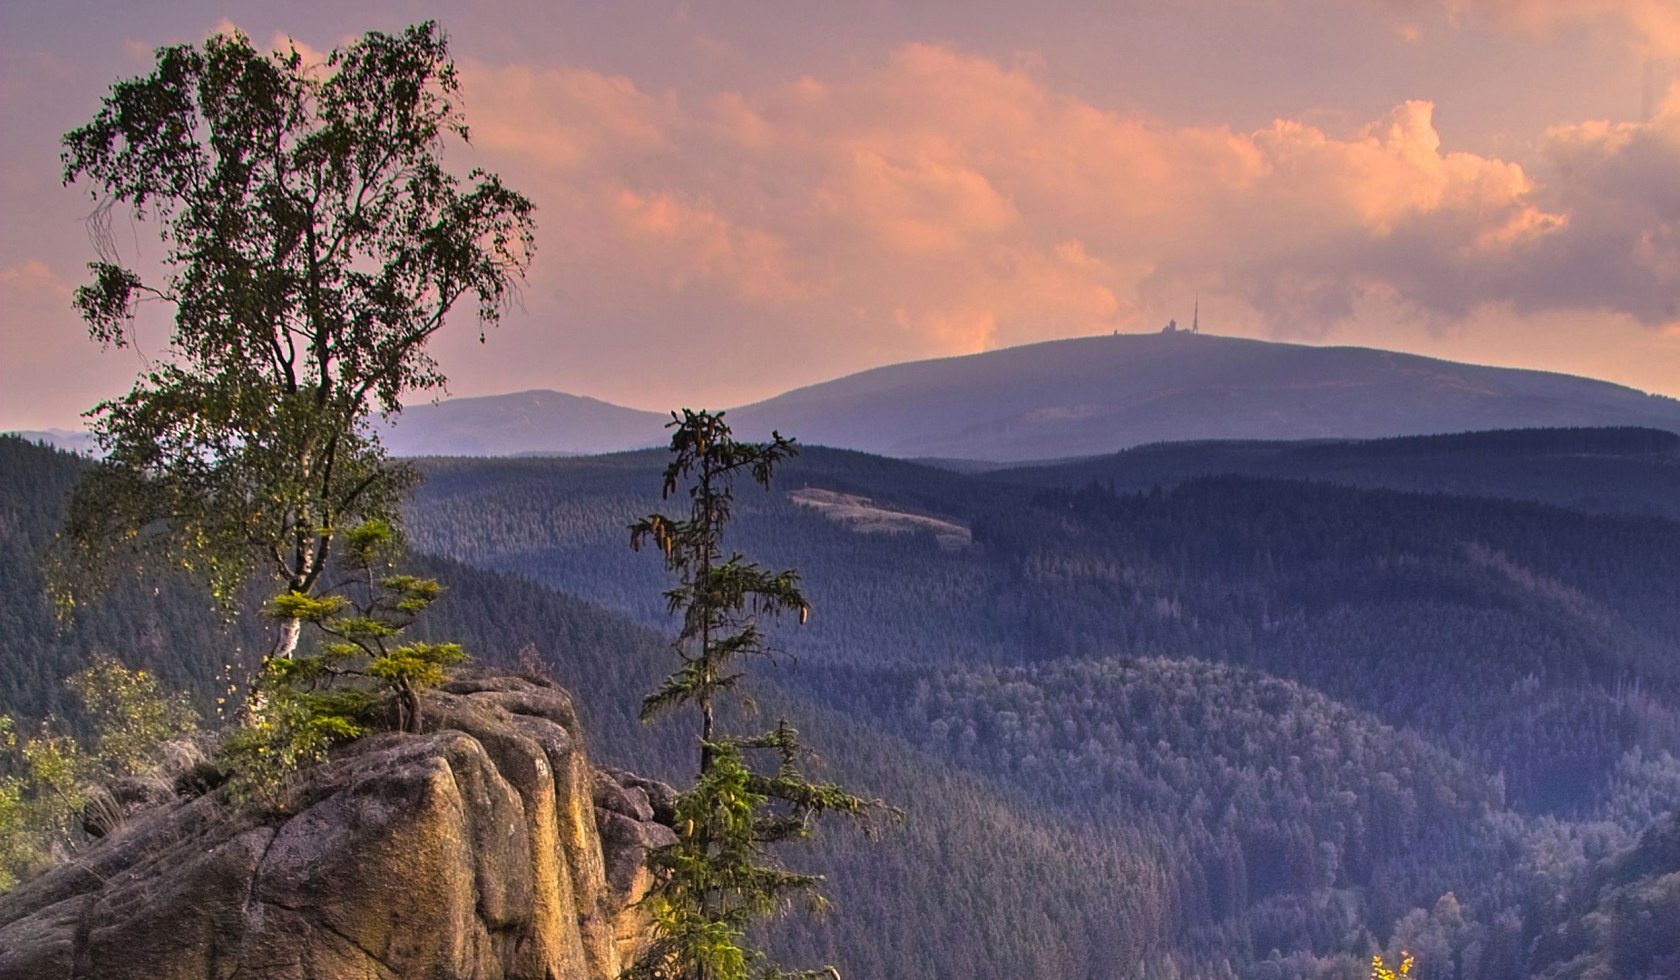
1110 393
1075 397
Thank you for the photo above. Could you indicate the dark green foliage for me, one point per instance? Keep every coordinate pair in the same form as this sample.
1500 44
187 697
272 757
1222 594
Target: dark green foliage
366 615
304 704
132 715
720 598
291 723
313 243
720 877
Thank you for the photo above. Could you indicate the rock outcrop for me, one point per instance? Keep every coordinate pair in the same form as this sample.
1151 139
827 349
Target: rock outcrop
486 847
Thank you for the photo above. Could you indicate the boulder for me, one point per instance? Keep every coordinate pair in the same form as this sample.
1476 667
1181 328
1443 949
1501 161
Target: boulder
487 846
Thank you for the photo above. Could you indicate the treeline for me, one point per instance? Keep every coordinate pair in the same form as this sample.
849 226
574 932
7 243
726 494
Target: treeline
1537 640
1293 822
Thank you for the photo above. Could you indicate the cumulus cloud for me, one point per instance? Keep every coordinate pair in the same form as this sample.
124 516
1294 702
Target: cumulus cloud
1619 186
940 202
692 242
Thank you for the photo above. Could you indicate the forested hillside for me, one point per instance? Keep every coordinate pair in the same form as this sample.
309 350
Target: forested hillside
1239 727
161 621
1622 918
1425 687
894 916
1622 471
1537 640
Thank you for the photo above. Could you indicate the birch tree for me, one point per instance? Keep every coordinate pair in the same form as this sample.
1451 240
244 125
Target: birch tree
312 244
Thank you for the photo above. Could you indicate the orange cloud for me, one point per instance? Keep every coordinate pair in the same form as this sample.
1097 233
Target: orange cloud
563 118
33 281
1655 22
695 243
916 206
1620 246
939 202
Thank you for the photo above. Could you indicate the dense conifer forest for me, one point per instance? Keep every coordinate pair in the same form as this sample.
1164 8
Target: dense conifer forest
1627 470
1196 718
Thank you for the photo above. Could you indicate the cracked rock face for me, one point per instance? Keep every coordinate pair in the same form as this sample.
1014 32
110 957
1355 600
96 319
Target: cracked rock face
486 847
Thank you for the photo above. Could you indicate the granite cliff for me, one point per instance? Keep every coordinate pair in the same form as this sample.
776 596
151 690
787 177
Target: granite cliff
488 846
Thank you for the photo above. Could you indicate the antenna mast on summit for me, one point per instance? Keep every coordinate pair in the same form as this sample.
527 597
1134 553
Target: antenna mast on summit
1196 317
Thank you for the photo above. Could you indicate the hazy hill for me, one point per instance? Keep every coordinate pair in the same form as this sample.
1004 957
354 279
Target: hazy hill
1065 399
526 422
1099 394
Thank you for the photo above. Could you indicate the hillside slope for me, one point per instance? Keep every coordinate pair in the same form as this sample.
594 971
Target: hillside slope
941 894
1504 629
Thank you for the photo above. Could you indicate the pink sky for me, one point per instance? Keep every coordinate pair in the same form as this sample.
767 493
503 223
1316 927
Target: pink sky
738 198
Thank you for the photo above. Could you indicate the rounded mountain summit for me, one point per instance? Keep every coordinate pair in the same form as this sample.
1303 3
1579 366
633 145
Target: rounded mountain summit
1077 397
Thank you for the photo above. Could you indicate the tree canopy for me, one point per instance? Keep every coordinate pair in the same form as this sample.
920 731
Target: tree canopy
313 242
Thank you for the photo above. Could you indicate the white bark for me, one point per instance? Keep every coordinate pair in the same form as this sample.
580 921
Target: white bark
288 640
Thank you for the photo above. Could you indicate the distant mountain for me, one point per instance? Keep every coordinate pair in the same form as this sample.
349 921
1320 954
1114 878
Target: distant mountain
1093 395
548 423
1071 398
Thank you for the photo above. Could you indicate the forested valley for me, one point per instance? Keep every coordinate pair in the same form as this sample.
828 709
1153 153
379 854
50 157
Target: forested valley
1256 710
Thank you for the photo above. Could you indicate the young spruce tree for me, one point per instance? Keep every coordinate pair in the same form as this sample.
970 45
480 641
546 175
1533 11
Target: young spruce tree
322 696
719 878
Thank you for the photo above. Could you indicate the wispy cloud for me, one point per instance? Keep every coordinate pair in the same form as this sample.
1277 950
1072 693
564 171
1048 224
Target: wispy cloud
1654 24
